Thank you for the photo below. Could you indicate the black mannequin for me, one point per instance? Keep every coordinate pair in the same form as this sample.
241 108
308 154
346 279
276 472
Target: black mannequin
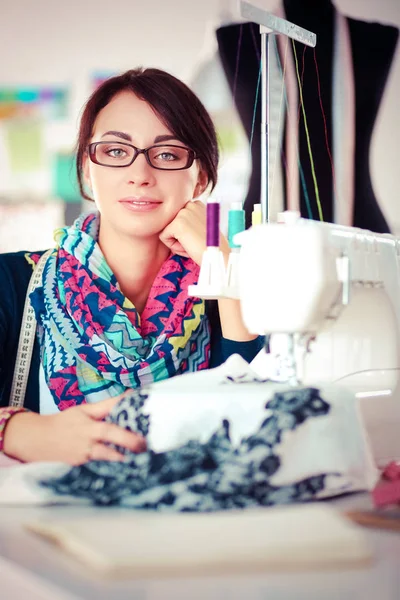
373 46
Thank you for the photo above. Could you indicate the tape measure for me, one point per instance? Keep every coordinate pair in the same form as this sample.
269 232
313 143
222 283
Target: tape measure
26 338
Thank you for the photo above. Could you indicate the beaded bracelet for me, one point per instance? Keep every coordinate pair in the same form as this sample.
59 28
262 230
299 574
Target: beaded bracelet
5 415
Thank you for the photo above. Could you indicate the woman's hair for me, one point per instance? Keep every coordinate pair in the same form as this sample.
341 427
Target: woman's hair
176 105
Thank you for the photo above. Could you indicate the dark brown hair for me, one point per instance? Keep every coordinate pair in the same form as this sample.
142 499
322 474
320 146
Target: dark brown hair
176 105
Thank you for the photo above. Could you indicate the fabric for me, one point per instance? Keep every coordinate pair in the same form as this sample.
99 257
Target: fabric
94 344
5 416
15 272
232 441
47 406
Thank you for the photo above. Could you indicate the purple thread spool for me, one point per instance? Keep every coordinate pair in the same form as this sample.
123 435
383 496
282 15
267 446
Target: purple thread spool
213 224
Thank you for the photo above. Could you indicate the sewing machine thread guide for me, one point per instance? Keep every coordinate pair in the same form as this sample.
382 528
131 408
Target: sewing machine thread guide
276 24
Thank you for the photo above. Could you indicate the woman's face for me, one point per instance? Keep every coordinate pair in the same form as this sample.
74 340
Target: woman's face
138 200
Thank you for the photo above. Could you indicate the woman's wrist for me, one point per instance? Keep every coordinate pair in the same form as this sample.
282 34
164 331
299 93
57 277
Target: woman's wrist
6 415
232 325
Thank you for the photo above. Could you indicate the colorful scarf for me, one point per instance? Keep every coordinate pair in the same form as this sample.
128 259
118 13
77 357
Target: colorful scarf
94 344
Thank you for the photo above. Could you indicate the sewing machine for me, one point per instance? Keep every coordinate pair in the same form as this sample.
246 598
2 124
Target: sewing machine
327 300
328 297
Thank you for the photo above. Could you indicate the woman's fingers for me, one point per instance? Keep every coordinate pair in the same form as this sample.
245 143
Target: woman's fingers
186 234
175 246
99 410
114 434
102 452
74 436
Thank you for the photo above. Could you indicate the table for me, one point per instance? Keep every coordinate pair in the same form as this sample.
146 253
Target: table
34 569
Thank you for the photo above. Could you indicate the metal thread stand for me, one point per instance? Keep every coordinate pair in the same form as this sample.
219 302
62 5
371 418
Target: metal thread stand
270 24
265 150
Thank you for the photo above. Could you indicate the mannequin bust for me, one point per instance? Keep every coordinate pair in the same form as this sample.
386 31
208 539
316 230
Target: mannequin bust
372 48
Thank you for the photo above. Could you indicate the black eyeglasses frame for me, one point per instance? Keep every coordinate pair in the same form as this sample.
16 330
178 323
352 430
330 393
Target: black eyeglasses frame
92 155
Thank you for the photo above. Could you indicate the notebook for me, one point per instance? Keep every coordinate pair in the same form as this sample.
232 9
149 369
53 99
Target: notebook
153 544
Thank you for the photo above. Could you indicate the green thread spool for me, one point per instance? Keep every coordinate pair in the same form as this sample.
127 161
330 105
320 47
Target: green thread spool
236 222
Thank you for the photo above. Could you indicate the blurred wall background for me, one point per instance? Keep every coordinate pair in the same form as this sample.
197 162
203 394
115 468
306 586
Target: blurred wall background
54 53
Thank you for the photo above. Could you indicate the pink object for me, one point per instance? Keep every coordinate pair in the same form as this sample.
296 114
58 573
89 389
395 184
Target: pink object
392 471
388 491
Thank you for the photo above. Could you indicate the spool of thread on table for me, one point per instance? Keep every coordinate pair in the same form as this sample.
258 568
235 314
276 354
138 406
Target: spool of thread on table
211 280
236 222
256 215
213 223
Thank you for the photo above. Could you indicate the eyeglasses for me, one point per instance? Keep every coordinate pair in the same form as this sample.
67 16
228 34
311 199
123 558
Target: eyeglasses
166 158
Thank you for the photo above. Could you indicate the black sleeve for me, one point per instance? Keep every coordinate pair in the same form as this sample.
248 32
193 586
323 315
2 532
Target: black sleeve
15 273
222 348
7 344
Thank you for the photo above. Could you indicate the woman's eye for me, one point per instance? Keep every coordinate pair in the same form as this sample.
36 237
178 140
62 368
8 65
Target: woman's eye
116 152
167 156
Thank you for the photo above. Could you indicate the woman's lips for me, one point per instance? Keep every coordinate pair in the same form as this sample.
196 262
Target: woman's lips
140 204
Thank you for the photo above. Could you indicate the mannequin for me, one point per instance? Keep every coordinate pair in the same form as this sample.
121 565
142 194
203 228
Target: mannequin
372 47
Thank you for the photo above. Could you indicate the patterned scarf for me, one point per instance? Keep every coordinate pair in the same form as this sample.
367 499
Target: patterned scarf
94 344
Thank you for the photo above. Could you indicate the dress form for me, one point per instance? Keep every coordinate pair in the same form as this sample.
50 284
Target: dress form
372 50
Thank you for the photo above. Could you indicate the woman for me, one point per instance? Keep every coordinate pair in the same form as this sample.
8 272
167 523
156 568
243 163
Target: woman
112 309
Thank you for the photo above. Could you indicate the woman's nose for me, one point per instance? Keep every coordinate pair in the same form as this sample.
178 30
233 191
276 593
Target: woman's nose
140 172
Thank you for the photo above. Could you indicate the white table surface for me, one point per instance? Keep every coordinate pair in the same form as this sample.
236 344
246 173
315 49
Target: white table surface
32 568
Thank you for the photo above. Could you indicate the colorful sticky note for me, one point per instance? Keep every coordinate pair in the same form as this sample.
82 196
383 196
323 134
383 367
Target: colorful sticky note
65 183
24 143
46 102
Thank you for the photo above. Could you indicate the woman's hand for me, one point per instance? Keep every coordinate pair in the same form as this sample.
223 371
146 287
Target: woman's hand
186 235
73 436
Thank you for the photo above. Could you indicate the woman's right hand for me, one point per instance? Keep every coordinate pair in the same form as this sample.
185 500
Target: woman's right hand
74 436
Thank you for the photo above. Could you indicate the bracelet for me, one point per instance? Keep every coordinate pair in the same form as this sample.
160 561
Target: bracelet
5 415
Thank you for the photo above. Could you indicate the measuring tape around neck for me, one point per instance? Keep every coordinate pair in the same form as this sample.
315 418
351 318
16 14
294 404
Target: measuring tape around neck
26 338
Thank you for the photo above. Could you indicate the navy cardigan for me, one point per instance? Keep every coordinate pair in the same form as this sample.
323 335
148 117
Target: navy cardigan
15 272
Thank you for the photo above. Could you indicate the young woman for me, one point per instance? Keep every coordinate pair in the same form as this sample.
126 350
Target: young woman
112 308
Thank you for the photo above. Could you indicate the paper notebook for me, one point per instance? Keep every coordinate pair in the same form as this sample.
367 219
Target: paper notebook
148 544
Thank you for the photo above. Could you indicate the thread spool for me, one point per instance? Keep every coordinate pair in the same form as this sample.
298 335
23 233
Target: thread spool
213 212
256 215
211 280
236 223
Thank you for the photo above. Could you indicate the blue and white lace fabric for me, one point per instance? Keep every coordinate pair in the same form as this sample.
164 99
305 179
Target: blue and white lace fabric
243 443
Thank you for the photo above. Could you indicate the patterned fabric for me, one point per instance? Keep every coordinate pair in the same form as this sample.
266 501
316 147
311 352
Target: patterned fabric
5 415
204 477
32 258
94 344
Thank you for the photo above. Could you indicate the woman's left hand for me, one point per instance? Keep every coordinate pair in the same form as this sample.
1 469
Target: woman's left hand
186 235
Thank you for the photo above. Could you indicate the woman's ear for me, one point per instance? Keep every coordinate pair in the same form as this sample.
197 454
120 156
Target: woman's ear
201 185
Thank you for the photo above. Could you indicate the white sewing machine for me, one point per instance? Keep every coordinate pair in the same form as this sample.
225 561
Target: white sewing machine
329 296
